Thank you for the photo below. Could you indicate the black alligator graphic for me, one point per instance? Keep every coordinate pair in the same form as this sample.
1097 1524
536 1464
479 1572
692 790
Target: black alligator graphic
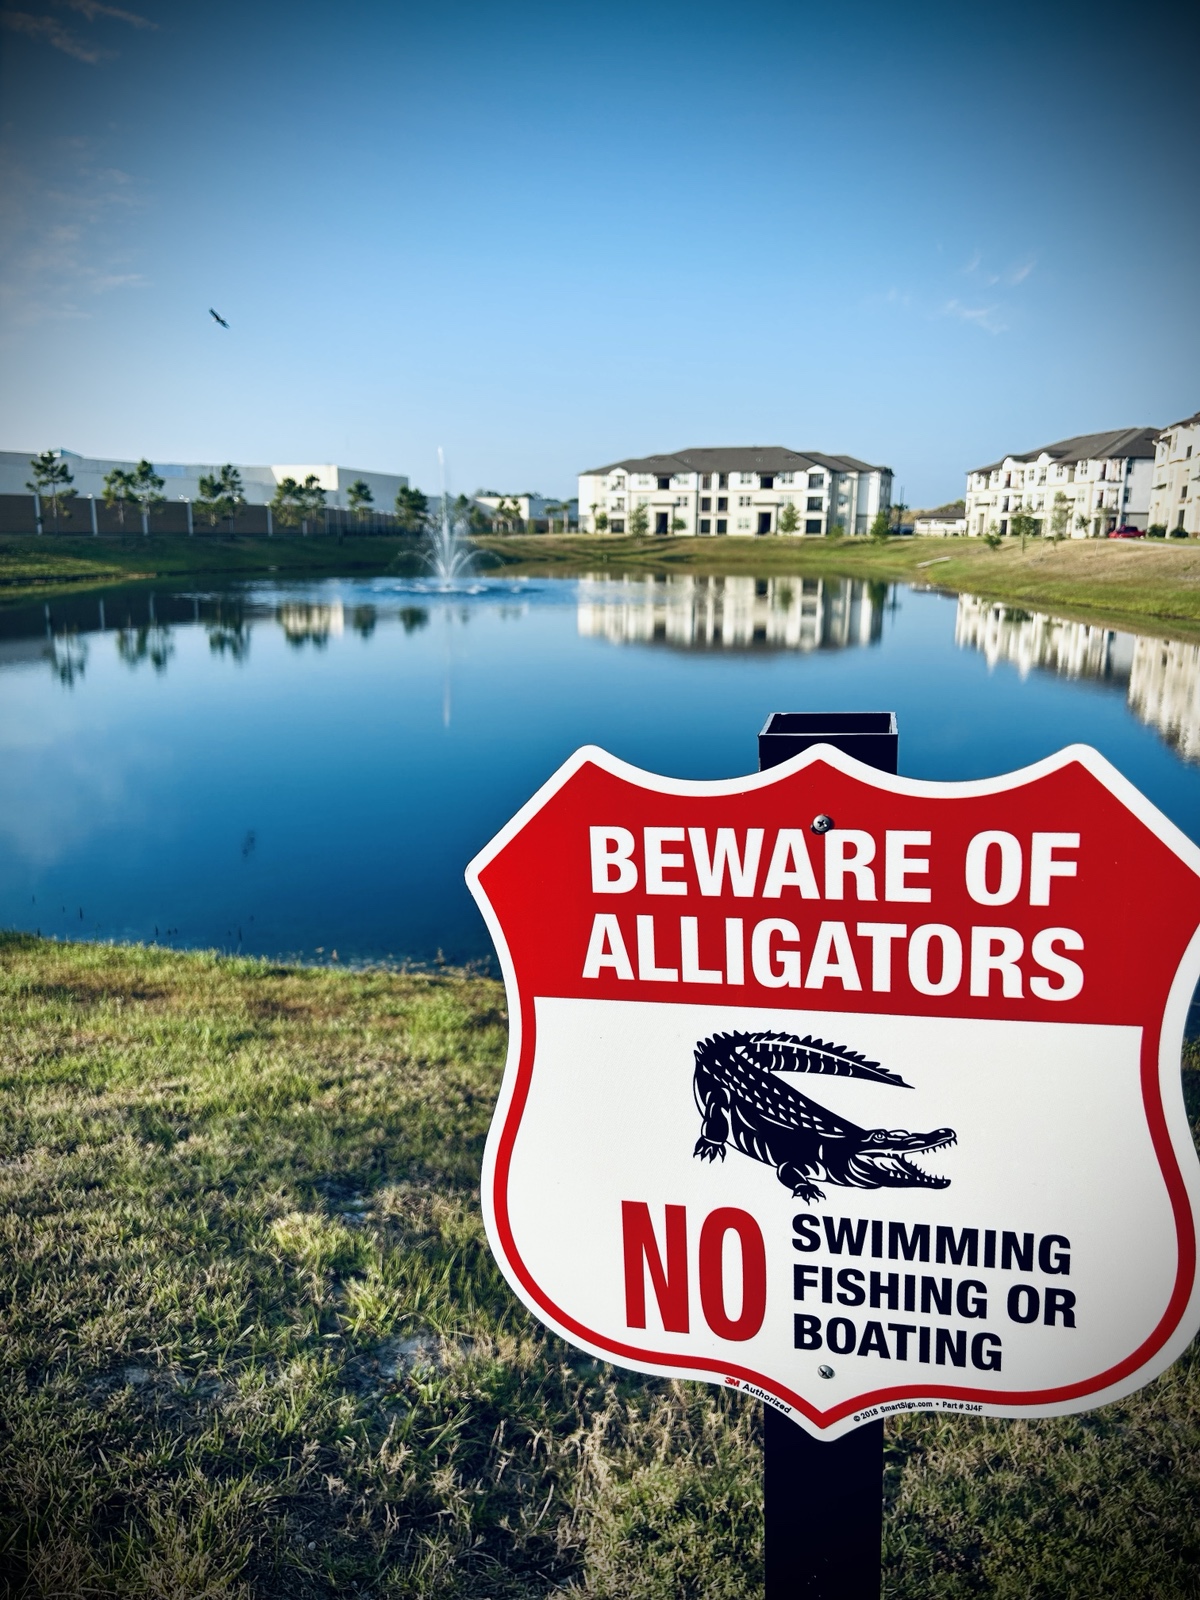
742 1102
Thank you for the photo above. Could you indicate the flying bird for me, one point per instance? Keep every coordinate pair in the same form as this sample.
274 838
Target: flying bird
217 318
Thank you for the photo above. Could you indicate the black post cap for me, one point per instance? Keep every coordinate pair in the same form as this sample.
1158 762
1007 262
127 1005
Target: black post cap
868 736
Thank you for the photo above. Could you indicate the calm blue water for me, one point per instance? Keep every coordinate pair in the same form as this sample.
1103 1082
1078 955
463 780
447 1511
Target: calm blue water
303 770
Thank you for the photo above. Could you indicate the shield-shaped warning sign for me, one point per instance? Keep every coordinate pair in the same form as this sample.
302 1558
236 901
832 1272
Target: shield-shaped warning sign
856 1092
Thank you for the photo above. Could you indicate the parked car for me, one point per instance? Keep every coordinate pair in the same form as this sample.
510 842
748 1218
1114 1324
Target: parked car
1127 531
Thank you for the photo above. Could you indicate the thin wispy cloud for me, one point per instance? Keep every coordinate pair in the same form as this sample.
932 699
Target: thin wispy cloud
985 317
50 31
64 235
91 9
1010 276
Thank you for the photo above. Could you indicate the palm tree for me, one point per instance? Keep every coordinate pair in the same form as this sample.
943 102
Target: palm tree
51 481
287 503
221 495
118 492
146 488
312 500
361 499
412 510
508 515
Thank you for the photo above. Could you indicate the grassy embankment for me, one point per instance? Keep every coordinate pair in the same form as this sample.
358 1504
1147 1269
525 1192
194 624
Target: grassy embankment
254 1344
32 565
1151 585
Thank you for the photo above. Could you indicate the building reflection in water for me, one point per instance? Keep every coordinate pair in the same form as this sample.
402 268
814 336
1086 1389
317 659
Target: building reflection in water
303 622
1160 677
698 613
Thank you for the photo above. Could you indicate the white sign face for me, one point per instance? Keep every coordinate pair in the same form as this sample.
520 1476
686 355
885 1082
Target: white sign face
886 1117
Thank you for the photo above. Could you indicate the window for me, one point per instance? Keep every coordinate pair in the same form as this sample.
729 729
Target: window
744 523
722 480
706 502
664 483
813 525
787 477
766 480
705 524
816 480
743 500
722 525
815 503
1188 453
618 504
722 502
706 480
748 477
617 524
618 482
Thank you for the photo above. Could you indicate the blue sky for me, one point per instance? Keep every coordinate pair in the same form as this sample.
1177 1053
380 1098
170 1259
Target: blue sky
547 236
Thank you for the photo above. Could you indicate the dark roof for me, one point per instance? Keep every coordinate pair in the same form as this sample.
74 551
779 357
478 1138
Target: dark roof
1184 422
737 458
1118 443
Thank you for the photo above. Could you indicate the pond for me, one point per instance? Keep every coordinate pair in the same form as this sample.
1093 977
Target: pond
305 770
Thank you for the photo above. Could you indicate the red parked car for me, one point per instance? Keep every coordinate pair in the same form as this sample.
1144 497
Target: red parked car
1126 531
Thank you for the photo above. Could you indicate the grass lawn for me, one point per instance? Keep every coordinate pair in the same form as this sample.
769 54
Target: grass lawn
254 1344
31 565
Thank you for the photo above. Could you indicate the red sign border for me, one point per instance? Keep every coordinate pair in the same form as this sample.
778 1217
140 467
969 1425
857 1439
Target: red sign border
1174 1330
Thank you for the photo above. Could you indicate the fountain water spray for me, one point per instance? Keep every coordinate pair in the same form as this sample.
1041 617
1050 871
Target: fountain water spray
449 553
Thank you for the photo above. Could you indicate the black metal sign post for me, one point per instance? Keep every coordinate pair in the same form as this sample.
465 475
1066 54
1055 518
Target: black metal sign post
823 1502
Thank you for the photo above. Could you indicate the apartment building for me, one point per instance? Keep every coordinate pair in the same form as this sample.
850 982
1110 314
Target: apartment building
740 490
1175 492
1077 488
531 509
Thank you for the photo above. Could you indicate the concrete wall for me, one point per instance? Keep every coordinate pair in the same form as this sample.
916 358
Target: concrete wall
17 516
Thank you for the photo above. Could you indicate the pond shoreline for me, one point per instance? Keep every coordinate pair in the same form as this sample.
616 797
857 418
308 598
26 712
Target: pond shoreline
1151 583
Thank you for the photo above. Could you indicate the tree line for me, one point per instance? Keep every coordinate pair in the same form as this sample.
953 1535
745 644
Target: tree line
222 495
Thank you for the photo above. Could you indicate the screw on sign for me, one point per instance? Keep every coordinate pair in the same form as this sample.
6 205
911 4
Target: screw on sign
864 1091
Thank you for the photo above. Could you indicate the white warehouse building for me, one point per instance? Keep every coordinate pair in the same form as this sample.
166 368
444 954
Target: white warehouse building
739 490
1076 488
183 482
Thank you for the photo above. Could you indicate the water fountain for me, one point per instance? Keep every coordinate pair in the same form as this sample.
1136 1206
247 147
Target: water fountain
449 553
